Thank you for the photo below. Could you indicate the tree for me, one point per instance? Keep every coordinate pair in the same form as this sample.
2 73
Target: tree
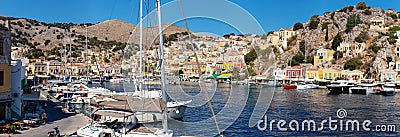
336 41
325 25
374 48
361 6
352 21
250 57
326 35
362 37
297 26
302 46
310 59
338 54
367 12
106 60
36 53
353 64
47 42
314 23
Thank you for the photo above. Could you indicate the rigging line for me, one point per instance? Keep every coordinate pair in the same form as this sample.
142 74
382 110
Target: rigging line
108 23
198 68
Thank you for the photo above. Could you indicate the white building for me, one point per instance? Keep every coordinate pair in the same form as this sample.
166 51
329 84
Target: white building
18 83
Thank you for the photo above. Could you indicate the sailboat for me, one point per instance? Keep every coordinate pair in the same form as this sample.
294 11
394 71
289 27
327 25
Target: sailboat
303 86
142 89
122 123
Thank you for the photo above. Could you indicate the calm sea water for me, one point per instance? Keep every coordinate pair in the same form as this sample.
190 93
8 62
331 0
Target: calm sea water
229 100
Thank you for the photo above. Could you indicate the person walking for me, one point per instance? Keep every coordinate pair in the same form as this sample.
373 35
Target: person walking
44 117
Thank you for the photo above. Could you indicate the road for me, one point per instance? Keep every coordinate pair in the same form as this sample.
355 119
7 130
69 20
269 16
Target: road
68 123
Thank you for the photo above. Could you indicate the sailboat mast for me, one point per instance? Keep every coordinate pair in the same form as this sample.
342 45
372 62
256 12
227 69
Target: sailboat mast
305 61
141 38
161 45
86 58
70 56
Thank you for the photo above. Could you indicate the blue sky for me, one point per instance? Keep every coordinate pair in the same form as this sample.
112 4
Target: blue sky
271 15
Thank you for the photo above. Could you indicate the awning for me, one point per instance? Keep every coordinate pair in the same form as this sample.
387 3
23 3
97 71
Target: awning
214 76
136 104
42 76
225 76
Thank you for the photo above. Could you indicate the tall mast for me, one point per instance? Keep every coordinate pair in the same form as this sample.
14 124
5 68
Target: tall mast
161 45
141 38
86 58
305 61
70 56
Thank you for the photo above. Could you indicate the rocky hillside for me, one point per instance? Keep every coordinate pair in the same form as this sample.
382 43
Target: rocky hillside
39 38
340 27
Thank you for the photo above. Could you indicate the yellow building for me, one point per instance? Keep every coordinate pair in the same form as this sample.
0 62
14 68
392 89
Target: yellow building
312 73
330 74
355 75
5 74
323 56
5 78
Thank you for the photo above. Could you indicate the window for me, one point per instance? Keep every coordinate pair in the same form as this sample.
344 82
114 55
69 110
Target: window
289 74
1 78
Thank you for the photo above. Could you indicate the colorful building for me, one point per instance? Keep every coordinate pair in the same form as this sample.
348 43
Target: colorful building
377 23
294 72
355 75
331 74
5 74
323 56
387 75
312 73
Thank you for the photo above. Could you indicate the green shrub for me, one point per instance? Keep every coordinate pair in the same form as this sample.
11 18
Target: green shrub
361 6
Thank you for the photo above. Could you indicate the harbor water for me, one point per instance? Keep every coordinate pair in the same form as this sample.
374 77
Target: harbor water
233 111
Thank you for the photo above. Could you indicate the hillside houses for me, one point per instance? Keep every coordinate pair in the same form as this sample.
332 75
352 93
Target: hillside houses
352 49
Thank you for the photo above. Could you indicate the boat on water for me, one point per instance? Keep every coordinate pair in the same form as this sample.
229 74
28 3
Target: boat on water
363 88
304 86
271 83
290 86
118 123
252 83
117 79
152 89
340 86
388 89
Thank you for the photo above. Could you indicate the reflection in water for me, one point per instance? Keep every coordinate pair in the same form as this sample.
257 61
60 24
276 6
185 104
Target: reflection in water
286 105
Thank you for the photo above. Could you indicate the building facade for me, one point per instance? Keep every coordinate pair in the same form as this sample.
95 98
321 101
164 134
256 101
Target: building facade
5 74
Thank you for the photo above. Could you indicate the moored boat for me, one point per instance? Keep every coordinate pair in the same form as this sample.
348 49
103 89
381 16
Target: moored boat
388 89
290 86
340 86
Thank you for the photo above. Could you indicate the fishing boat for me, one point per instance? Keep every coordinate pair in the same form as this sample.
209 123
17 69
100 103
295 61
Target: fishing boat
290 86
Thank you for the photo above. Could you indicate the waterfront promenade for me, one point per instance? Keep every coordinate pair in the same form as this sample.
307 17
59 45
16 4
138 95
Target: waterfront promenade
68 123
